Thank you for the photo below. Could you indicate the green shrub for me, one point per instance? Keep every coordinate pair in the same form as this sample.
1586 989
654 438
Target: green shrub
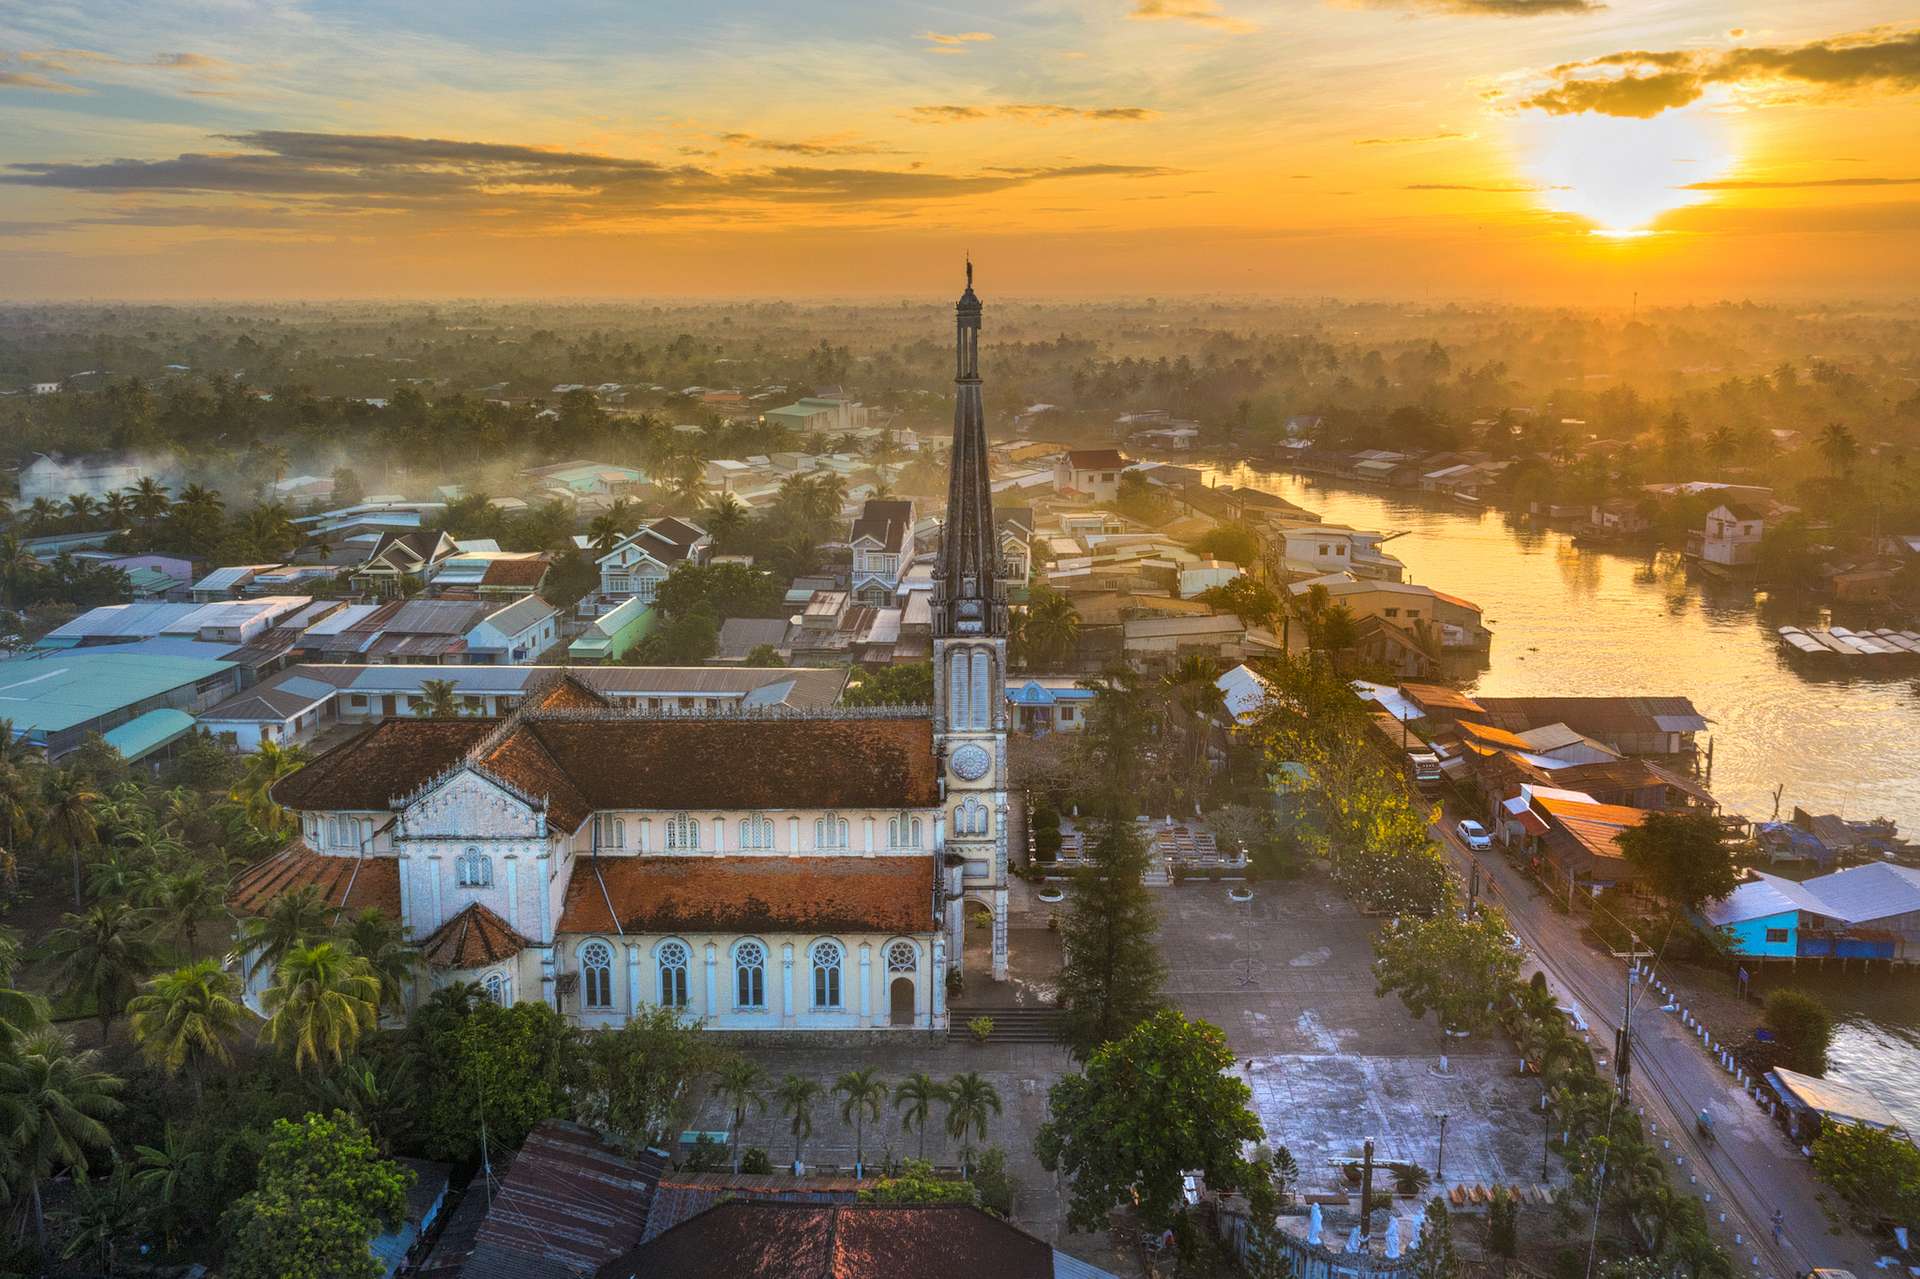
980 1028
1803 1028
754 1160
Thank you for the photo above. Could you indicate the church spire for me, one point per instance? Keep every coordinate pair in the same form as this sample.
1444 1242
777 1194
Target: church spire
968 596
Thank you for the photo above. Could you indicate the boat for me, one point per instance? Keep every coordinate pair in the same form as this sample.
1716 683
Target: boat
1899 641
1802 643
1465 498
1867 644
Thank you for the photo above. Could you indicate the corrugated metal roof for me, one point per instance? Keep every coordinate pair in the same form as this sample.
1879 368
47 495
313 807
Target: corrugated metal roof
1830 1097
1861 894
60 691
144 734
1759 898
117 620
521 615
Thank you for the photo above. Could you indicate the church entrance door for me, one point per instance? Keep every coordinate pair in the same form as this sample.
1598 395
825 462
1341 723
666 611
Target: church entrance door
901 994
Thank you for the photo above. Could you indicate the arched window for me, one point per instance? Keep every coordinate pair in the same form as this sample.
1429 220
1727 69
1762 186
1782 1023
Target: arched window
830 831
970 817
980 698
596 975
749 975
826 975
683 834
902 957
474 869
957 690
673 975
903 831
499 989
756 833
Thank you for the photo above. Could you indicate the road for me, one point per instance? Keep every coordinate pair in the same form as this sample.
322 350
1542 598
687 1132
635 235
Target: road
1749 1168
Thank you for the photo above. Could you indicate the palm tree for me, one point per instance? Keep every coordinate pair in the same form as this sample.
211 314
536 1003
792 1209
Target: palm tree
438 699
41 513
796 1096
382 942
1199 703
147 499
184 899
1838 445
969 1099
81 508
740 1084
271 531
863 1092
116 508
68 819
323 999
54 1102
254 791
164 1173
17 566
725 518
915 1097
608 529
378 1091
290 921
185 1017
103 956
1721 443
201 500
1051 628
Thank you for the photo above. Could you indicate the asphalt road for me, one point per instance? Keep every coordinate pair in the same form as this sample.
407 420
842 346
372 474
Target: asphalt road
1749 1168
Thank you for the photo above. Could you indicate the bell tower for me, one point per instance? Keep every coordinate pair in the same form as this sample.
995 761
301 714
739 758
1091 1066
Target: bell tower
970 661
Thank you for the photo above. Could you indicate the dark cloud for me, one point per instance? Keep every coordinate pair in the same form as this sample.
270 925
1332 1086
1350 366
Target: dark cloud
1789 184
304 173
801 146
1654 81
1033 112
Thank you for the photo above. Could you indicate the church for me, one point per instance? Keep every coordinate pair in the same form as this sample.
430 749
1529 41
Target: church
761 870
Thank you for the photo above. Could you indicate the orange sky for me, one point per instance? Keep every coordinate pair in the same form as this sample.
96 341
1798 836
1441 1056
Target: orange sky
1532 150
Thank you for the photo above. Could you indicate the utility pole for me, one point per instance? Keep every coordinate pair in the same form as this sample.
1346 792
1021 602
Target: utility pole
1366 1188
1473 887
1440 1155
1623 1047
1546 1133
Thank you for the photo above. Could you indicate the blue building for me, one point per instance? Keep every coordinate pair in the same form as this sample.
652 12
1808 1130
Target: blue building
1864 912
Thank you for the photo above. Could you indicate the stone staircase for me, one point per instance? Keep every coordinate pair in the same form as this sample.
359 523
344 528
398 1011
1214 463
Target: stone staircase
1010 1025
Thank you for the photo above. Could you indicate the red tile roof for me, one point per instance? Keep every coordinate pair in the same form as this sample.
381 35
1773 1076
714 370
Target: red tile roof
565 693
390 759
472 939
1096 460
352 883
750 894
527 572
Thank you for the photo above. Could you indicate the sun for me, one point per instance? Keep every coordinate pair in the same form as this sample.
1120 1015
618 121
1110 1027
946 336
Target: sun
1619 173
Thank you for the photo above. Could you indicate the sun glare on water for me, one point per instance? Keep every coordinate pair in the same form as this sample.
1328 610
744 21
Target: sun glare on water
1620 174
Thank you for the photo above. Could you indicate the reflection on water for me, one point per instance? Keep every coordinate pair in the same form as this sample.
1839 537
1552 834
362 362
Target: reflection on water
1573 622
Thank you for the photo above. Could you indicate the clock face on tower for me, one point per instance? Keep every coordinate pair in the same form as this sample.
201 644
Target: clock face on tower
970 763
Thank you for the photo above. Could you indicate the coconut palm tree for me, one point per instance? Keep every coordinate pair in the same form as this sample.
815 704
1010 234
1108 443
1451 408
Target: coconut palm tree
103 956
184 1018
1051 629
725 518
254 791
914 1097
163 1174
323 999
147 499
438 699
41 513
182 900
68 820
797 1096
862 1092
200 500
741 1083
1838 445
969 1100
271 531
81 508
382 942
18 566
116 508
290 921
54 1102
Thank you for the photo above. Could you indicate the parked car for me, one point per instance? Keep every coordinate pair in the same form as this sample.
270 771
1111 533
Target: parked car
1473 835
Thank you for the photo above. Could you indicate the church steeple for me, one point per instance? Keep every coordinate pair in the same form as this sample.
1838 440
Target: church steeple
968 596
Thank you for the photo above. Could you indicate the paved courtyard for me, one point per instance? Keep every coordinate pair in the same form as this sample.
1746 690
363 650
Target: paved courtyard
1289 978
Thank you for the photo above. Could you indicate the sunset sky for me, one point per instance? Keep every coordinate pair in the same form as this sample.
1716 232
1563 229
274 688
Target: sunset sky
1531 150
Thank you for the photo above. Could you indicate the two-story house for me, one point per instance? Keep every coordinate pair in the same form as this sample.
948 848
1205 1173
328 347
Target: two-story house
1731 535
1093 473
641 560
882 543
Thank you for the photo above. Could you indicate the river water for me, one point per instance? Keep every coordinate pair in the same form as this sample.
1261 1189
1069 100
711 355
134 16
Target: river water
1572 622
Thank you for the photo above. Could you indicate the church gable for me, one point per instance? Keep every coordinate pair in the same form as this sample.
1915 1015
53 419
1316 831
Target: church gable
467 805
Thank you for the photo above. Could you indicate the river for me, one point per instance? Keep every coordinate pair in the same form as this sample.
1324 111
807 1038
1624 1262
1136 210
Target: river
1581 622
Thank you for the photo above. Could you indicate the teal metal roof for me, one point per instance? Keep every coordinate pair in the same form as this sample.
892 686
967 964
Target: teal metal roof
59 691
144 734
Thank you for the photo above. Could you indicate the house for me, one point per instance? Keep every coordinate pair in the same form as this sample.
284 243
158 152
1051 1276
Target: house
1205 575
1093 473
1335 548
580 479
1243 691
1408 606
1629 725
881 540
398 556
1016 543
1730 537
1161 642
1044 704
610 636
825 415
566 1205
57 478
641 560
515 635
1618 515
425 1199
491 571
54 700
1579 839
741 637
1871 911
759 1238
226 583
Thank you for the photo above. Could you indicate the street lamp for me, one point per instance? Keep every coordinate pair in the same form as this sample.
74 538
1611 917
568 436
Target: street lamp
1440 1155
1546 1133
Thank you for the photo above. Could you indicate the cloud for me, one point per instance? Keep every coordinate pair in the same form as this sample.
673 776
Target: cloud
1032 112
1497 189
1444 135
31 80
1203 13
1650 82
307 175
82 62
953 43
1786 184
1505 8
797 146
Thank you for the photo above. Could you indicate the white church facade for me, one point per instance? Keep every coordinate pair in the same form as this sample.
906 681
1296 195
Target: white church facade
774 870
